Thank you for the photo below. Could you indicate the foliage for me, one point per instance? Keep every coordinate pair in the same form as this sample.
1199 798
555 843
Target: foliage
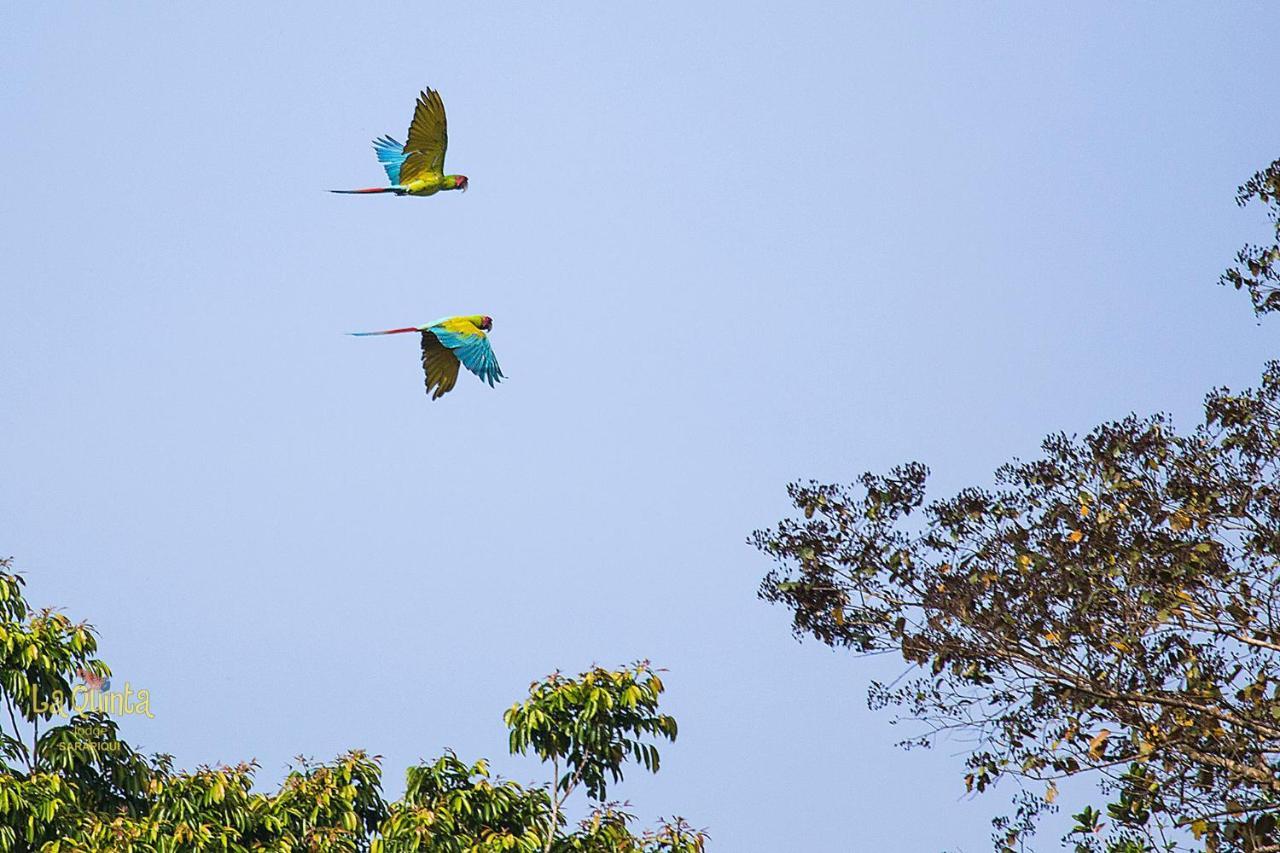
591 723
1109 609
75 786
1258 267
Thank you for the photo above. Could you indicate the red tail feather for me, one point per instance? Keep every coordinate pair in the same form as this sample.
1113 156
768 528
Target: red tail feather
386 332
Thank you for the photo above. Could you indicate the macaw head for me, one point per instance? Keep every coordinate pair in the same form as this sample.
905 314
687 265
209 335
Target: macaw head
458 182
486 324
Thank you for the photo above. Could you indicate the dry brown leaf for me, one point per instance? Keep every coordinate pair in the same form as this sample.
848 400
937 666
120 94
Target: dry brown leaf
1098 744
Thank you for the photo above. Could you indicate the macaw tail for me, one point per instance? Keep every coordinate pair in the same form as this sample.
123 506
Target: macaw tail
387 331
396 190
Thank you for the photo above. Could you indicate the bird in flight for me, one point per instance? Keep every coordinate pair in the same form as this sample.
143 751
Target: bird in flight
449 342
417 167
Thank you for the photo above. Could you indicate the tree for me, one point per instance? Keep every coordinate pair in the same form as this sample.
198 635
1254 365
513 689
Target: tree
1110 610
68 783
1258 267
593 724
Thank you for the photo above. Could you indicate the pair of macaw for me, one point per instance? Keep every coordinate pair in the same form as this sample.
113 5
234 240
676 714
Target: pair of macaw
417 168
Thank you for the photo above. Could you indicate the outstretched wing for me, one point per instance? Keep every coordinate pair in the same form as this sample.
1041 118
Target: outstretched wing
439 364
428 139
471 346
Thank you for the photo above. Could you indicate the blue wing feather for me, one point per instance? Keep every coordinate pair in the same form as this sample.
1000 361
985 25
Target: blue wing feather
391 155
474 352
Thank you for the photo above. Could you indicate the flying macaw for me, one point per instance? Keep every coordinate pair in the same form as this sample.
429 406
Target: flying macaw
417 167
448 342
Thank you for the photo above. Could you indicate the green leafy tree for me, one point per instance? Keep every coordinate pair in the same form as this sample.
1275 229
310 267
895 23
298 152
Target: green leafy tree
68 783
1110 610
591 724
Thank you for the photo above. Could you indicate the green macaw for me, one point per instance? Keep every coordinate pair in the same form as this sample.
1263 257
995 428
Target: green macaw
417 167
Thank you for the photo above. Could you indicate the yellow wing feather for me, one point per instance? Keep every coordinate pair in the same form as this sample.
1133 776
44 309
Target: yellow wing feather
428 139
440 366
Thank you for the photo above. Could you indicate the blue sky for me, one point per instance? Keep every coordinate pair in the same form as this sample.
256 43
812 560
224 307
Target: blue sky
725 246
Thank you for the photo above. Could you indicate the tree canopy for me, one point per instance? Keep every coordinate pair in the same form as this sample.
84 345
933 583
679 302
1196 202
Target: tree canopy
1257 268
1108 610
69 783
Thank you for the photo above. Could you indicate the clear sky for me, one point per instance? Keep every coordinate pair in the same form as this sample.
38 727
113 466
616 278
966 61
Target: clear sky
725 245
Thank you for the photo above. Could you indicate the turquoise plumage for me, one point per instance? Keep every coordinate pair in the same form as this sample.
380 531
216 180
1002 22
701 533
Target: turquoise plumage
473 351
391 155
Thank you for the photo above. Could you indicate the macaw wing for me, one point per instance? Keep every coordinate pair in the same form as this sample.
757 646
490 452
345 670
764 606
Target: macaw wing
391 155
428 139
473 350
439 364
